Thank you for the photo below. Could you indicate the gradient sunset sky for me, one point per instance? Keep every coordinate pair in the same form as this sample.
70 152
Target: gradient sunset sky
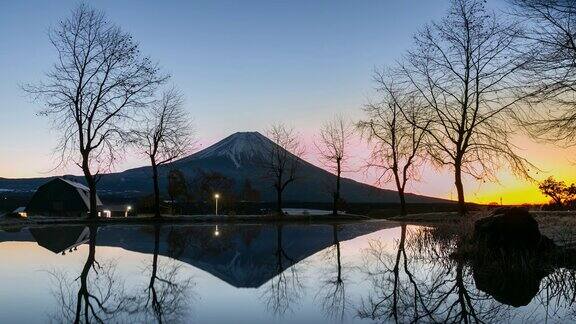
243 65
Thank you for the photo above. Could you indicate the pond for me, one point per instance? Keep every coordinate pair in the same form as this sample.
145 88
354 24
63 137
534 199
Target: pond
371 272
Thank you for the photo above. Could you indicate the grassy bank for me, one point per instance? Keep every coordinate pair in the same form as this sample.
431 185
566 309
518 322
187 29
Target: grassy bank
560 226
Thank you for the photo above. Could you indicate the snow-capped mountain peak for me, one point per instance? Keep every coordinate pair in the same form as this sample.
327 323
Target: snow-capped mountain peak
237 147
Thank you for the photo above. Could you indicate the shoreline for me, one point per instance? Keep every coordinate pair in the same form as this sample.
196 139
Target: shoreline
11 222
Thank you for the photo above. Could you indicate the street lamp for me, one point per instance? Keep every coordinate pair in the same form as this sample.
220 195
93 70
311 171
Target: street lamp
128 209
216 196
216 231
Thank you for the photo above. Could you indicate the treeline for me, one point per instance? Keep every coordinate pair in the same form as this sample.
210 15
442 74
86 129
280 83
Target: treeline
196 195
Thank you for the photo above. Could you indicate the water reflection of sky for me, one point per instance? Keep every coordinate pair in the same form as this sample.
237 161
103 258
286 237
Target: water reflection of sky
308 294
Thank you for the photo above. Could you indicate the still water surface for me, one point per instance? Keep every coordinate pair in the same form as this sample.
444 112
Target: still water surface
375 272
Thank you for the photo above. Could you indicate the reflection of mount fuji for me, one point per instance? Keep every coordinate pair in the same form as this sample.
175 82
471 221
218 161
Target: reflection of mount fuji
241 255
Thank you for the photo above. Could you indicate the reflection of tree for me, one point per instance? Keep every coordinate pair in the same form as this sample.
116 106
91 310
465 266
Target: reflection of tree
284 290
420 282
332 291
557 296
102 298
99 297
167 293
392 295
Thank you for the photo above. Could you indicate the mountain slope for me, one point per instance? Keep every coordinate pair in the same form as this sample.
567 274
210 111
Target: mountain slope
236 158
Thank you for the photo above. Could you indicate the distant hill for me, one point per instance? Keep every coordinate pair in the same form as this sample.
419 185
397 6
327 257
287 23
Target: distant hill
236 158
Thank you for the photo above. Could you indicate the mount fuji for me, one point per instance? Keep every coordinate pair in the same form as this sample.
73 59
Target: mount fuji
236 157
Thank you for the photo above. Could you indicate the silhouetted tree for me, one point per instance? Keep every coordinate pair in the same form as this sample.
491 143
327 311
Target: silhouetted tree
396 129
333 146
558 191
163 135
282 159
464 69
95 86
208 183
550 80
177 186
249 193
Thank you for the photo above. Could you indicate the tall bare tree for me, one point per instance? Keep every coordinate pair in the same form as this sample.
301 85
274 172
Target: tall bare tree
396 129
282 159
550 79
164 134
333 145
97 82
465 70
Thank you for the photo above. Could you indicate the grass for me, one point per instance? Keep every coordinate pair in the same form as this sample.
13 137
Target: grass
560 226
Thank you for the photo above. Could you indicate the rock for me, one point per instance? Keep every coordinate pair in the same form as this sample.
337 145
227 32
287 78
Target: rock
509 229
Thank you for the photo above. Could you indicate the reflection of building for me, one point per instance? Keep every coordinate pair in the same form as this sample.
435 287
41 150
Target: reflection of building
60 238
61 197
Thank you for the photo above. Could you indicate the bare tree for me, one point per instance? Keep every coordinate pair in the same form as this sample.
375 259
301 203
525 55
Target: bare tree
164 135
465 70
550 79
282 160
396 129
93 88
333 145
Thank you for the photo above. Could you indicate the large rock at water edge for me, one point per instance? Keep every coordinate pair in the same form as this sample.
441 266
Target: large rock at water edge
511 228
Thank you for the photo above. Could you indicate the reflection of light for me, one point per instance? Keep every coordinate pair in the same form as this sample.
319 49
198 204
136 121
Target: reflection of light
216 231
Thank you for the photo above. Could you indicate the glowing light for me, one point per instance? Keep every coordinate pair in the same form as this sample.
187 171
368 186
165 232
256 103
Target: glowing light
216 196
128 209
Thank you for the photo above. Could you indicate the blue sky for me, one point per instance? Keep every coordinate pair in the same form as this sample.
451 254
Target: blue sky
242 65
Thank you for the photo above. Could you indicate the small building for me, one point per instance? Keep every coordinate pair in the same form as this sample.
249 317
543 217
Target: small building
61 197
20 212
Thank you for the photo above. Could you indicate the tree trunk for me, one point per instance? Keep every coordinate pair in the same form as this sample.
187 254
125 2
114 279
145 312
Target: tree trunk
156 189
400 189
459 188
91 182
337 192
279 200
403 209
